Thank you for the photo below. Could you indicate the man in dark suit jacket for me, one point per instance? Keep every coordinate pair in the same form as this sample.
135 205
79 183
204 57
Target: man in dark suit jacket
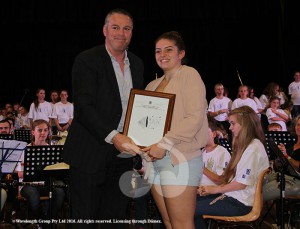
102 78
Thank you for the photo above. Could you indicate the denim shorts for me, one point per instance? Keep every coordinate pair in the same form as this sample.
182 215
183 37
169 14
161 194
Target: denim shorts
186 173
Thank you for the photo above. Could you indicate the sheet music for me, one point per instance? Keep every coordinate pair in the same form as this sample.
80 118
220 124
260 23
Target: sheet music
10 154
60 165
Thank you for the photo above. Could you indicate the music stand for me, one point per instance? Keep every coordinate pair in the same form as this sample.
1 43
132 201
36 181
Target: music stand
10 154
36 158
23 135
285 168
225 143
7 136
280 137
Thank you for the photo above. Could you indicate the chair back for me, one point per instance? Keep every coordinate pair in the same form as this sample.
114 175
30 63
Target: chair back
258 199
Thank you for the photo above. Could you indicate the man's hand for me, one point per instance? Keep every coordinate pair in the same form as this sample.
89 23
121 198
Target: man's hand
125 144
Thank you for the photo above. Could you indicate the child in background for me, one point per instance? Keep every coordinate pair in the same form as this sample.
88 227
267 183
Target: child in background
215 157
274 127
276 114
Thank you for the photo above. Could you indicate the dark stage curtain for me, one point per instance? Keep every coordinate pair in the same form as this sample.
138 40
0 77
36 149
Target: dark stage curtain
259 38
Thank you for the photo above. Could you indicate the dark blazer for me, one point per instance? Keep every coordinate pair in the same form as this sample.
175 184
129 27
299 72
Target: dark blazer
97 107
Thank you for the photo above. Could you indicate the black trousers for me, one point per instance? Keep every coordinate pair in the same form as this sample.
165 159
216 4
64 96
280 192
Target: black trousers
103 195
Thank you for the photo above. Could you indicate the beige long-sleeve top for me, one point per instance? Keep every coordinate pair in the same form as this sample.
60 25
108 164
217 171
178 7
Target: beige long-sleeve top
189 127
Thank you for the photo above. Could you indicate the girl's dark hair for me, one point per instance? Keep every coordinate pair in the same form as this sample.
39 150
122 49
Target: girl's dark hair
212 124
177 38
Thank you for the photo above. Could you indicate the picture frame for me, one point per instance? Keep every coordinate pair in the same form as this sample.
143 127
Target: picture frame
148 116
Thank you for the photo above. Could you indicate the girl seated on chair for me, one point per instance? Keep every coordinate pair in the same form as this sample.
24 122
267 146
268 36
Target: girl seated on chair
40 132
235 193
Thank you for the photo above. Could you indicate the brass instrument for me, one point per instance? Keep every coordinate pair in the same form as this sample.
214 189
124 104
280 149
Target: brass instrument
239 77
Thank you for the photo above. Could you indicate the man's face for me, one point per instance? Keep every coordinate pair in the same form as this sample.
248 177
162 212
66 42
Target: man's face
4 128
118 32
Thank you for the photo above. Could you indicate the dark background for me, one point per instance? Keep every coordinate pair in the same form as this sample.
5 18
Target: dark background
259 38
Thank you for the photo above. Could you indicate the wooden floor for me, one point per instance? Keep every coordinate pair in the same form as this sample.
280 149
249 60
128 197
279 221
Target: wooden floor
268 222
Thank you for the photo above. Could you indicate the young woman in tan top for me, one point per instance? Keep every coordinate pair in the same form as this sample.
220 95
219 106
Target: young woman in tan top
177 161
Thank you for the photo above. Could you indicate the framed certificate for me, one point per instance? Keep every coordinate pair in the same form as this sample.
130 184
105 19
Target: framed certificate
148 116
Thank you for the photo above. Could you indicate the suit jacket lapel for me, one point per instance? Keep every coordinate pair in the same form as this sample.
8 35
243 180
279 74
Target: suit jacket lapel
111 72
